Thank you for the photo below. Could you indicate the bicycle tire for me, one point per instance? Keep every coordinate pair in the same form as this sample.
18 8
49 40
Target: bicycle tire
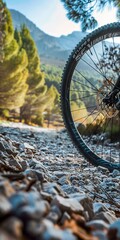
99 36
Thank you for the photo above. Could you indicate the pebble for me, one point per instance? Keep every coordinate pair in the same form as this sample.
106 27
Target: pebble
65 217
68 204
52 233
33 212
5 206
48 191
97 225
13 226
99 207
5 188
114 230
100 235
106 216
55 214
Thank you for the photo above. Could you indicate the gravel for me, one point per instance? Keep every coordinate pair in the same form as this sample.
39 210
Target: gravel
48 191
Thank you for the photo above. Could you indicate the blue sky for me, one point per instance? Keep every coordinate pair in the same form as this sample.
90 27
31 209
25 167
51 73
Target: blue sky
50 15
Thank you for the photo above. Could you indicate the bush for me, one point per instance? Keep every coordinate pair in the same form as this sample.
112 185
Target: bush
89 129
39 120
4 113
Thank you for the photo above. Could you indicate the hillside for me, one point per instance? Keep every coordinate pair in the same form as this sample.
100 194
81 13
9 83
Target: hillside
51 49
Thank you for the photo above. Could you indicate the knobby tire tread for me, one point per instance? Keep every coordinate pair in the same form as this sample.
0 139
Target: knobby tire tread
77 140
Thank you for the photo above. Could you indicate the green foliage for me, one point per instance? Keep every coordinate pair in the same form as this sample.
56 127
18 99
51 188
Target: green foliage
101 126
2 33
39 97
53 75
13 69
79 112
18 38
39 120
4 113
52 98
29 45
91 127
82 11
22 83
113 128
35 80
79 101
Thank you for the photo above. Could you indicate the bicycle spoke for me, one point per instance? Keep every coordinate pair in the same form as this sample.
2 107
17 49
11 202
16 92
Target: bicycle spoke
108 86
80 98
92 123
74 90
80 109
119 137
95 70
111 132
97 57
83 84
89 116
91 97
104 131
102 74
87 80
86 117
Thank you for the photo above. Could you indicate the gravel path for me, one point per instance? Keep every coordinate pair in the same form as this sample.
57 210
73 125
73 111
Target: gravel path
63 174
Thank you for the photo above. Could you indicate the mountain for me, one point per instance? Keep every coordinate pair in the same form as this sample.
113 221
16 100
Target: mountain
51 49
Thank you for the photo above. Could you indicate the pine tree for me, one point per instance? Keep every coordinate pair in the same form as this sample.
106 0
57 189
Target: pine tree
83 10
52 107
36 100
2 34
13 71
17 36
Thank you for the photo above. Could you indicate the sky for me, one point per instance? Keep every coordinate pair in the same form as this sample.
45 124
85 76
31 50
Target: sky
50 15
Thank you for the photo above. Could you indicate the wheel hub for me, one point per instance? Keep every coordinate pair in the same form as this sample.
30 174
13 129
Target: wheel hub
108 99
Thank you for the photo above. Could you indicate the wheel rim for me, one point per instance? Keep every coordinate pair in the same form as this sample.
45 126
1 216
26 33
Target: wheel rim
93 76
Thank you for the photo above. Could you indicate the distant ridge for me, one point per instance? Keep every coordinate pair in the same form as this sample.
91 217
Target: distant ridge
51 49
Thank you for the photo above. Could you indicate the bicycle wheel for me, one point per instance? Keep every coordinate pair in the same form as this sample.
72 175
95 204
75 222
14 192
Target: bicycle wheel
90 96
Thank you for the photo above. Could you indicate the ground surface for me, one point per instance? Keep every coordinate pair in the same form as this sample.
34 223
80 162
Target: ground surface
63 174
